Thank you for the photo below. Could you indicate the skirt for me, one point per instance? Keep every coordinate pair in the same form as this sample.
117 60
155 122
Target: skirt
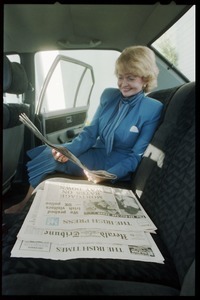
42 163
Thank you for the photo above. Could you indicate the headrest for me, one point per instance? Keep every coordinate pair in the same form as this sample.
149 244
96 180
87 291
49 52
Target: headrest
15 80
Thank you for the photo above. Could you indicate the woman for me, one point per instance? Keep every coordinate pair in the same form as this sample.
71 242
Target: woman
119 133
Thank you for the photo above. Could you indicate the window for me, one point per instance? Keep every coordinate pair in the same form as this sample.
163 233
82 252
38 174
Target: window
67 86
102 62
177 44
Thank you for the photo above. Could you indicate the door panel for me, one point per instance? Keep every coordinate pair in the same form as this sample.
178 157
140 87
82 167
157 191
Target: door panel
60 127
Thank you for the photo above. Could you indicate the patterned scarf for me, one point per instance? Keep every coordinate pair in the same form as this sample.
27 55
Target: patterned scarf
121 111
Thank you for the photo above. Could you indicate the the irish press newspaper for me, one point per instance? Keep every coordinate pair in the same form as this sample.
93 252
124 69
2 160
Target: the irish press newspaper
69 220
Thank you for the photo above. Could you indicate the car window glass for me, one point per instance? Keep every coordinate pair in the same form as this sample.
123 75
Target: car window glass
177 44
102 62
67 85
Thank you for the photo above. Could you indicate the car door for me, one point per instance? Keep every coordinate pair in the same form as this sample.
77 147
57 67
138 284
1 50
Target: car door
64 99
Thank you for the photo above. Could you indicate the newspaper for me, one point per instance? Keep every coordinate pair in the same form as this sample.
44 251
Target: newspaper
72 220
99 173
94 205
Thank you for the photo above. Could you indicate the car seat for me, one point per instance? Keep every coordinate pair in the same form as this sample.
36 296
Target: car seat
15 81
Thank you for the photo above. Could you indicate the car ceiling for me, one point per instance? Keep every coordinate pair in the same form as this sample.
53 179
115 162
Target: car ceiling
33 27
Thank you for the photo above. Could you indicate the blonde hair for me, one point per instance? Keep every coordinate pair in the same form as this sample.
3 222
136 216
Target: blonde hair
139 61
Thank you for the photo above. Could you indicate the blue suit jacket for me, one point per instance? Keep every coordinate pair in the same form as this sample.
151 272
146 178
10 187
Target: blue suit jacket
131 137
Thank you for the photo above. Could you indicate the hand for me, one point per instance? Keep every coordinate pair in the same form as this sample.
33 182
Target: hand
59 157
92 177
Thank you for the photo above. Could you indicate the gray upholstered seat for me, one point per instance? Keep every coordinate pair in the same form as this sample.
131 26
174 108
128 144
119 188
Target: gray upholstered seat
15 81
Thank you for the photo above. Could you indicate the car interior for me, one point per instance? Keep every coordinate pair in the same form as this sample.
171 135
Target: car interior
163 183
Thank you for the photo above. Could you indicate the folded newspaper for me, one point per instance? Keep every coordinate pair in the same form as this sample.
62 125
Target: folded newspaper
99 173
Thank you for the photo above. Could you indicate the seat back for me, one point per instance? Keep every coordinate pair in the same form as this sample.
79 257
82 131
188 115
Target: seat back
154 153
14 82
169 191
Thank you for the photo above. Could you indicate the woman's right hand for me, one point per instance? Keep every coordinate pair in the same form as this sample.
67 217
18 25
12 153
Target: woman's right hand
92 177
59 157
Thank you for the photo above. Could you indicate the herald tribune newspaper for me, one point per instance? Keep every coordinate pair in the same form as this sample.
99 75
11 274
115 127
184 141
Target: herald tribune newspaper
69 220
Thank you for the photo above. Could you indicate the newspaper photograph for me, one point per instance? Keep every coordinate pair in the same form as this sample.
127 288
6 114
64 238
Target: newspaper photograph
63 150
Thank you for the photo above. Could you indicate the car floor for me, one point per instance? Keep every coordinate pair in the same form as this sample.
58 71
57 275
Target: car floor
13 196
